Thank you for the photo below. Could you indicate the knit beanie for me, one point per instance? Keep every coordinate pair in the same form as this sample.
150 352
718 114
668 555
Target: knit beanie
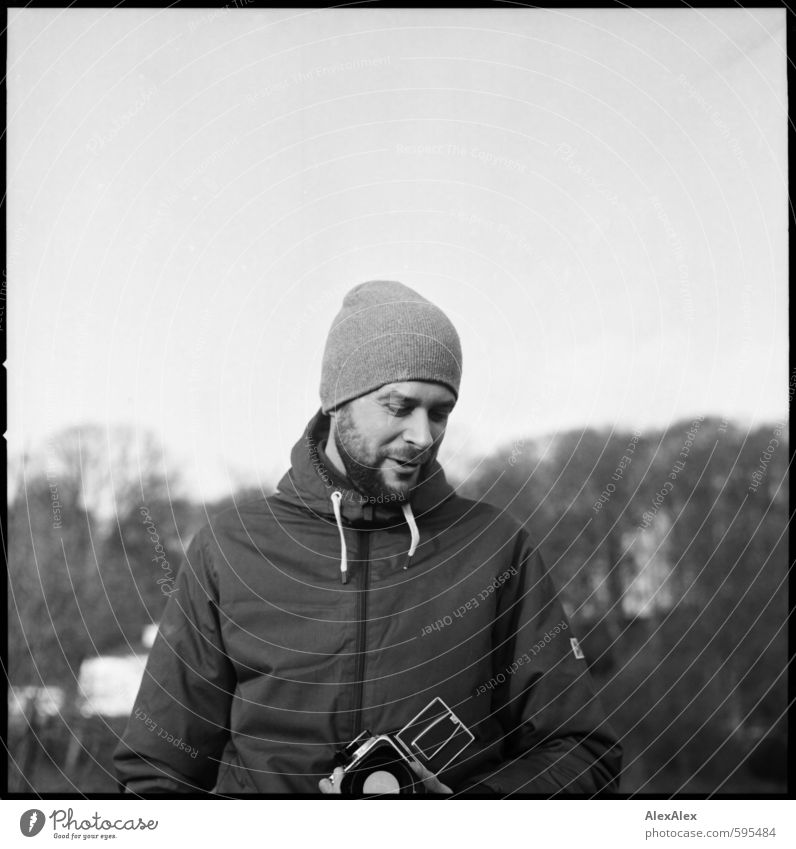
387 333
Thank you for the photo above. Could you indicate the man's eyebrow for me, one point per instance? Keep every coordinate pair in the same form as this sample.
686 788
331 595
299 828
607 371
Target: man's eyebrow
395 395
399 398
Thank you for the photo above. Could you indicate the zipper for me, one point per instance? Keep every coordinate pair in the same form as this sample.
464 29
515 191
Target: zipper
362 637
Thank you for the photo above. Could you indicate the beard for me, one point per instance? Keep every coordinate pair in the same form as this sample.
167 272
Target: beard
363 465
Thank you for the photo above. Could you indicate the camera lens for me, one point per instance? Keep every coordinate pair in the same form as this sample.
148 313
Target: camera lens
383 770
381 782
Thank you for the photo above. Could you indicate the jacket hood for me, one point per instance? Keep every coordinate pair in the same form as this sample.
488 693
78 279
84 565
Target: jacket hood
312 479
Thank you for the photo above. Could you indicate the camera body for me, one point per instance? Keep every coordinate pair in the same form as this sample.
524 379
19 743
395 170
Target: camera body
381 764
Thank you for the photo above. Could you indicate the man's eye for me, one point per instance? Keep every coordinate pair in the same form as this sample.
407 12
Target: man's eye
440 416
398 411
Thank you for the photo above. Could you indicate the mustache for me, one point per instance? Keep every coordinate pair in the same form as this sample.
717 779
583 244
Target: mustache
421 458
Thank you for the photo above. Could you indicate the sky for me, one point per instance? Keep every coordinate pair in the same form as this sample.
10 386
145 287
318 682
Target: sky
597 199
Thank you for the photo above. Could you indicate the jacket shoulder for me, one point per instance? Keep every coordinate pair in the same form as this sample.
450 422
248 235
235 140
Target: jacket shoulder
238 522
500 520
251 512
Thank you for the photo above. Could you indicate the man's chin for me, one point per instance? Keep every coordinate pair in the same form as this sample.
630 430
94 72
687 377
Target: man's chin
394 490
387 485
400 490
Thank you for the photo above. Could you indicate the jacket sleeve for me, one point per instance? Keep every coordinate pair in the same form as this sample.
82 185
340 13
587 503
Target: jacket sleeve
180 722
556 739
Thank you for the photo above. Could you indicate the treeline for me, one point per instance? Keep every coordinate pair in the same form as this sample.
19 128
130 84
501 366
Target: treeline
96 524
669 548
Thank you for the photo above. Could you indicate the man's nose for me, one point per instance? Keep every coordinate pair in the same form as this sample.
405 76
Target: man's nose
417 431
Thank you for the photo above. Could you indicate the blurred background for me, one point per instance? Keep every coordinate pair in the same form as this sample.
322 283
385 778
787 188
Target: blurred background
597 198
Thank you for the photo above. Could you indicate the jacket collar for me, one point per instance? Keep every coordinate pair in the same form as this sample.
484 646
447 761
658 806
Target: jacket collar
312 479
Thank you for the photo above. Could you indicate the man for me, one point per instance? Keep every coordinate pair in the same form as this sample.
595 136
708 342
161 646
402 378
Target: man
360 591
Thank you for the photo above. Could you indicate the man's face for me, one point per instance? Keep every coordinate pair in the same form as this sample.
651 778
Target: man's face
385 438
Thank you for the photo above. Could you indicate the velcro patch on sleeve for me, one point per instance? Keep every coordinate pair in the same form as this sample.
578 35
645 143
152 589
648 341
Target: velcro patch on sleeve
576 649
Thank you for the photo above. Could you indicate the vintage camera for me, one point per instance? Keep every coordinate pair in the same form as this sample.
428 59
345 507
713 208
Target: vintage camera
379 765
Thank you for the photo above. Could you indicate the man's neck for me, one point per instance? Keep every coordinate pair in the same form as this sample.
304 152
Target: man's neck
333 455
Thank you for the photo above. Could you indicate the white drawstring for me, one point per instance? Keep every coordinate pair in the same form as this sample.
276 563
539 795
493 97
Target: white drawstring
336 498
410 520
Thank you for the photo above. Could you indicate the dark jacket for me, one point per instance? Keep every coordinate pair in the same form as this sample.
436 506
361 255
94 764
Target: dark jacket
266 663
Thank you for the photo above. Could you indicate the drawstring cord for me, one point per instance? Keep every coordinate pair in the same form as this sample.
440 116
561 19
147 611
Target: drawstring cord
337 497
410 520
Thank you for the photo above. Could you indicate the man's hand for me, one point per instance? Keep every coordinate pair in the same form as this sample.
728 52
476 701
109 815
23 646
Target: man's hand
331 787
430 781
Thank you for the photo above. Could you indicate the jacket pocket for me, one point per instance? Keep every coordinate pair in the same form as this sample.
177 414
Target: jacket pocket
229 778
221 778
232 777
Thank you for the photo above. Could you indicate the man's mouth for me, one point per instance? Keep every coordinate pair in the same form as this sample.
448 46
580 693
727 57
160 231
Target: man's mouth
409 465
